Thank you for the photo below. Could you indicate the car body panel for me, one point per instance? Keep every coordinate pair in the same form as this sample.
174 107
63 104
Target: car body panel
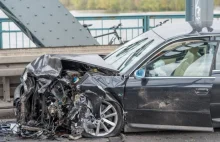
215 96
156 99
53 64
99 84
169 101
171 31
93 60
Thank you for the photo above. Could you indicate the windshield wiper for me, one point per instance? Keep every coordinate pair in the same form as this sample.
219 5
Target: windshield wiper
127 49
130 47
140 50
136 53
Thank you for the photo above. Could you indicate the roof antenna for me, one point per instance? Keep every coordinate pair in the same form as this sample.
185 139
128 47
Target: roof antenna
199 14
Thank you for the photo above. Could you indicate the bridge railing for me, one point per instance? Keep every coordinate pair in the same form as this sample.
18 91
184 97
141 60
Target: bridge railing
132 26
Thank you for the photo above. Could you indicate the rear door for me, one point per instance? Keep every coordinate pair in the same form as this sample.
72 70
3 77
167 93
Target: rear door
175 94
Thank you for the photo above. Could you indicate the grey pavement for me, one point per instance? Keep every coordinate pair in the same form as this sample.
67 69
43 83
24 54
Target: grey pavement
166 136
170 136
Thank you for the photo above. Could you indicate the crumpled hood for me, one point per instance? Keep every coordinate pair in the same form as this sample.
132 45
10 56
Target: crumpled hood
92 59
51 65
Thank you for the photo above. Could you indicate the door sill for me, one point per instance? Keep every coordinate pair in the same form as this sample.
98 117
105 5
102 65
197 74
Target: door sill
171 127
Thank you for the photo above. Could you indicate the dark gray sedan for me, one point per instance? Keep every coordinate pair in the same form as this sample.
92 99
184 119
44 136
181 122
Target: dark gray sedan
165 79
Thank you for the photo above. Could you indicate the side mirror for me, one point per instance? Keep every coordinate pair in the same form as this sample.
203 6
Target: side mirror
139 74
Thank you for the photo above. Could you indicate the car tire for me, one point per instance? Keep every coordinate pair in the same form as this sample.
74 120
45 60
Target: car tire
119 124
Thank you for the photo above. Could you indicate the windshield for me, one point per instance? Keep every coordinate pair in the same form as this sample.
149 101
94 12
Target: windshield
127 55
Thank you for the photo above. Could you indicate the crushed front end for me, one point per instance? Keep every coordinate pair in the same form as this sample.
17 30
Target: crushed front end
48 102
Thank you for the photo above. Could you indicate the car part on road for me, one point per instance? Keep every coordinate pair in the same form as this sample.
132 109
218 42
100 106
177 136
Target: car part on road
8 128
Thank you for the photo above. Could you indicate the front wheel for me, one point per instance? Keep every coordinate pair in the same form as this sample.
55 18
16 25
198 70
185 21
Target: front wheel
111 121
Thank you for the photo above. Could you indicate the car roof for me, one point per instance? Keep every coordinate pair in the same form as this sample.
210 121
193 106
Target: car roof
172 30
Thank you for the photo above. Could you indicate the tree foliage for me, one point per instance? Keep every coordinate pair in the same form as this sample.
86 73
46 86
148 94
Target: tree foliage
128 5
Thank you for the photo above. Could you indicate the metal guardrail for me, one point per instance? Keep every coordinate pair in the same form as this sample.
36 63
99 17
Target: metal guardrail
12 37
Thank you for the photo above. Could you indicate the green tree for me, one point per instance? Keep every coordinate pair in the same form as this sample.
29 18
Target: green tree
164 5
103 4
91 4
123 5
217 2
79 4
114 6
128 5
149 5
176 5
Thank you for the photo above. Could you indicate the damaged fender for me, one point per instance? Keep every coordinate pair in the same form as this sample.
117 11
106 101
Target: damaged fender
100 88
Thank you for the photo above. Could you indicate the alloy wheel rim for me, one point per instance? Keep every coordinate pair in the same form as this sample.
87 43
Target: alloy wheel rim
108 121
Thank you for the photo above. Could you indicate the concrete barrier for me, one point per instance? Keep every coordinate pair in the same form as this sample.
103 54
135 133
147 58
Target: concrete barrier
13 62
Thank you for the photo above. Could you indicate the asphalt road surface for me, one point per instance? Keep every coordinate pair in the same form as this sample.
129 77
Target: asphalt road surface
169 136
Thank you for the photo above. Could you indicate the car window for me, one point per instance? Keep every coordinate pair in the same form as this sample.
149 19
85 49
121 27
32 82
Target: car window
126 56
180 59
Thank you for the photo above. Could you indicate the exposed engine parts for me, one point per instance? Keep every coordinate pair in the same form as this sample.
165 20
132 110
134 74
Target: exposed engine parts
55 107
48 102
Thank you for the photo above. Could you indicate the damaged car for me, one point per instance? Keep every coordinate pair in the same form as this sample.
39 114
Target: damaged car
164 79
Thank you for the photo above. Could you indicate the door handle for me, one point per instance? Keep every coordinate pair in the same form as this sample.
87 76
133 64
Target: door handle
202 91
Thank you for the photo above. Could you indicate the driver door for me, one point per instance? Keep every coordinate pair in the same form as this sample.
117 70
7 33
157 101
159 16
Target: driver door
175 93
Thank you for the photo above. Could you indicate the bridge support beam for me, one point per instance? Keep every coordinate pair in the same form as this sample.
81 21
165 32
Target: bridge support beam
6 89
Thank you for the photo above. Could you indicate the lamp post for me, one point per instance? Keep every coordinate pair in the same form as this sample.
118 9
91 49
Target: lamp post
199 13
